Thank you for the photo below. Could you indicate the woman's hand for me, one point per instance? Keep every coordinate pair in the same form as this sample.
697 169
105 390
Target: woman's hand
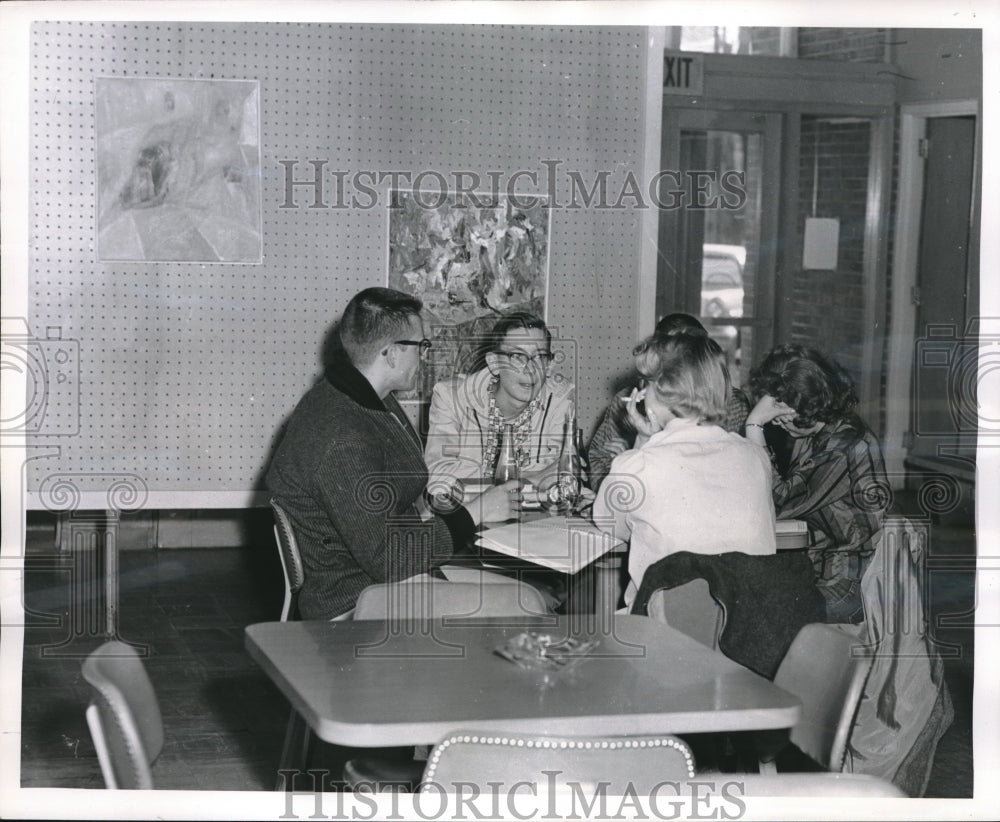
768 409
645 424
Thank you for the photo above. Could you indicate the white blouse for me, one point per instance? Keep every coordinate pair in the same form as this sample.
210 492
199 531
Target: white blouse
691 488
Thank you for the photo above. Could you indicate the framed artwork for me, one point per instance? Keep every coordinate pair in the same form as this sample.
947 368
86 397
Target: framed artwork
178 170
470 258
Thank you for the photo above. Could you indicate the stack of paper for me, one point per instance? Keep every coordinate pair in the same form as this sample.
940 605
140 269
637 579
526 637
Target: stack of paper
564 544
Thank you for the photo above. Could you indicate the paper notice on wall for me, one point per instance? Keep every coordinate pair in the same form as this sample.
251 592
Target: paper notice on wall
821 241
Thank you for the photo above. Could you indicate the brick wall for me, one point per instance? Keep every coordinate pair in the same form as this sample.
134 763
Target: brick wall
827 307
865 46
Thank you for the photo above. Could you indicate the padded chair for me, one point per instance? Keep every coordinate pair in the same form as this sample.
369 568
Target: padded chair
291 561
123 716
433 598
691 609
823 670
488 758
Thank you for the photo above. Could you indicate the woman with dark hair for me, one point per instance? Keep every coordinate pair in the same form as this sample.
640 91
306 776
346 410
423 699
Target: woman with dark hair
835 479
469 414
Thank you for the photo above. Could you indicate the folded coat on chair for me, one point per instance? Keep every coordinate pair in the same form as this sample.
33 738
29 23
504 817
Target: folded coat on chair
767 599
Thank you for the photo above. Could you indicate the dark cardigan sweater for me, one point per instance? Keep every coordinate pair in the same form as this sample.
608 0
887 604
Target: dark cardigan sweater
767 599
349 471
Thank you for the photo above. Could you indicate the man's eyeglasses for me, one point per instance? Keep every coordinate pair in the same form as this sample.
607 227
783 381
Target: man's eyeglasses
521 360
425 344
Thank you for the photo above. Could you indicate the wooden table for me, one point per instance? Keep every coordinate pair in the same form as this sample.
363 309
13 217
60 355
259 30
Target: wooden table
358 685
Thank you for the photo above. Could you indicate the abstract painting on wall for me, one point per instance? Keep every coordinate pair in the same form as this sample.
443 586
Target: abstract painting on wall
470 258
178 170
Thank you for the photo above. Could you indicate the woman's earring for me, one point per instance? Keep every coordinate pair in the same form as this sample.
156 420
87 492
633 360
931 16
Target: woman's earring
490 360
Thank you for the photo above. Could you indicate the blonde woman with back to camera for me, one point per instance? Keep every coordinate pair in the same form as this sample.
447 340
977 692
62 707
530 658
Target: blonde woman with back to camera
687 484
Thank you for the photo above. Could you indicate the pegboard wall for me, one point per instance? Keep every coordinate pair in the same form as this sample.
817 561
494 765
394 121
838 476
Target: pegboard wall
186 371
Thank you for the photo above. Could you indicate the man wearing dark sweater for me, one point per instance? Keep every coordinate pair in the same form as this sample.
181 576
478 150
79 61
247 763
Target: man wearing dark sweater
350 469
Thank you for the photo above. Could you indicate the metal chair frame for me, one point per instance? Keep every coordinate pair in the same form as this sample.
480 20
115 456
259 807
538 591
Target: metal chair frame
291 561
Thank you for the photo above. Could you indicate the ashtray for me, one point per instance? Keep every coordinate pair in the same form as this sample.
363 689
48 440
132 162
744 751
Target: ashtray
543 652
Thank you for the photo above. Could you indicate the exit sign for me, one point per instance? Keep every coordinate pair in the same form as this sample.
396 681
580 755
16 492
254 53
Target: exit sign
683 72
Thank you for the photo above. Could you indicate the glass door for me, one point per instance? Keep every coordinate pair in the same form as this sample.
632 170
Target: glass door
719 191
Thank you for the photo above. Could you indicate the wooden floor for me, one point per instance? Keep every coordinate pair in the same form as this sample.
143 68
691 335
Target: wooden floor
224 720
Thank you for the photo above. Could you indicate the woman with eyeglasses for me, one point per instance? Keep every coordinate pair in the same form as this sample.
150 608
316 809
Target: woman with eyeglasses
835 479
469 414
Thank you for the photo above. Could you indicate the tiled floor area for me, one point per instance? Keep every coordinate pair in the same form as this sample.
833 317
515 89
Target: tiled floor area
224 720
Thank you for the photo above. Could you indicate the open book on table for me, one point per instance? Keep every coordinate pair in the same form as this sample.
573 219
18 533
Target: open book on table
565 544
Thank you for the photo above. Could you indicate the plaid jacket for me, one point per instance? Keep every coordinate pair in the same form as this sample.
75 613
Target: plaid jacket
836 482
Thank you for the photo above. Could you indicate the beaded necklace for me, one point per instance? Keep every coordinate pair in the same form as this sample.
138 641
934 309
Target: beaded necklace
521 425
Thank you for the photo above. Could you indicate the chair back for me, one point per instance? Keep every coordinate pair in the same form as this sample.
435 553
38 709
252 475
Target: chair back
691 609
123 716
291 561
825 668
435 599
498 761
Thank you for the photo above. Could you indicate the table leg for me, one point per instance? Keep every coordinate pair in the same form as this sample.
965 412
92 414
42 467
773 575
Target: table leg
607 584
295 752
